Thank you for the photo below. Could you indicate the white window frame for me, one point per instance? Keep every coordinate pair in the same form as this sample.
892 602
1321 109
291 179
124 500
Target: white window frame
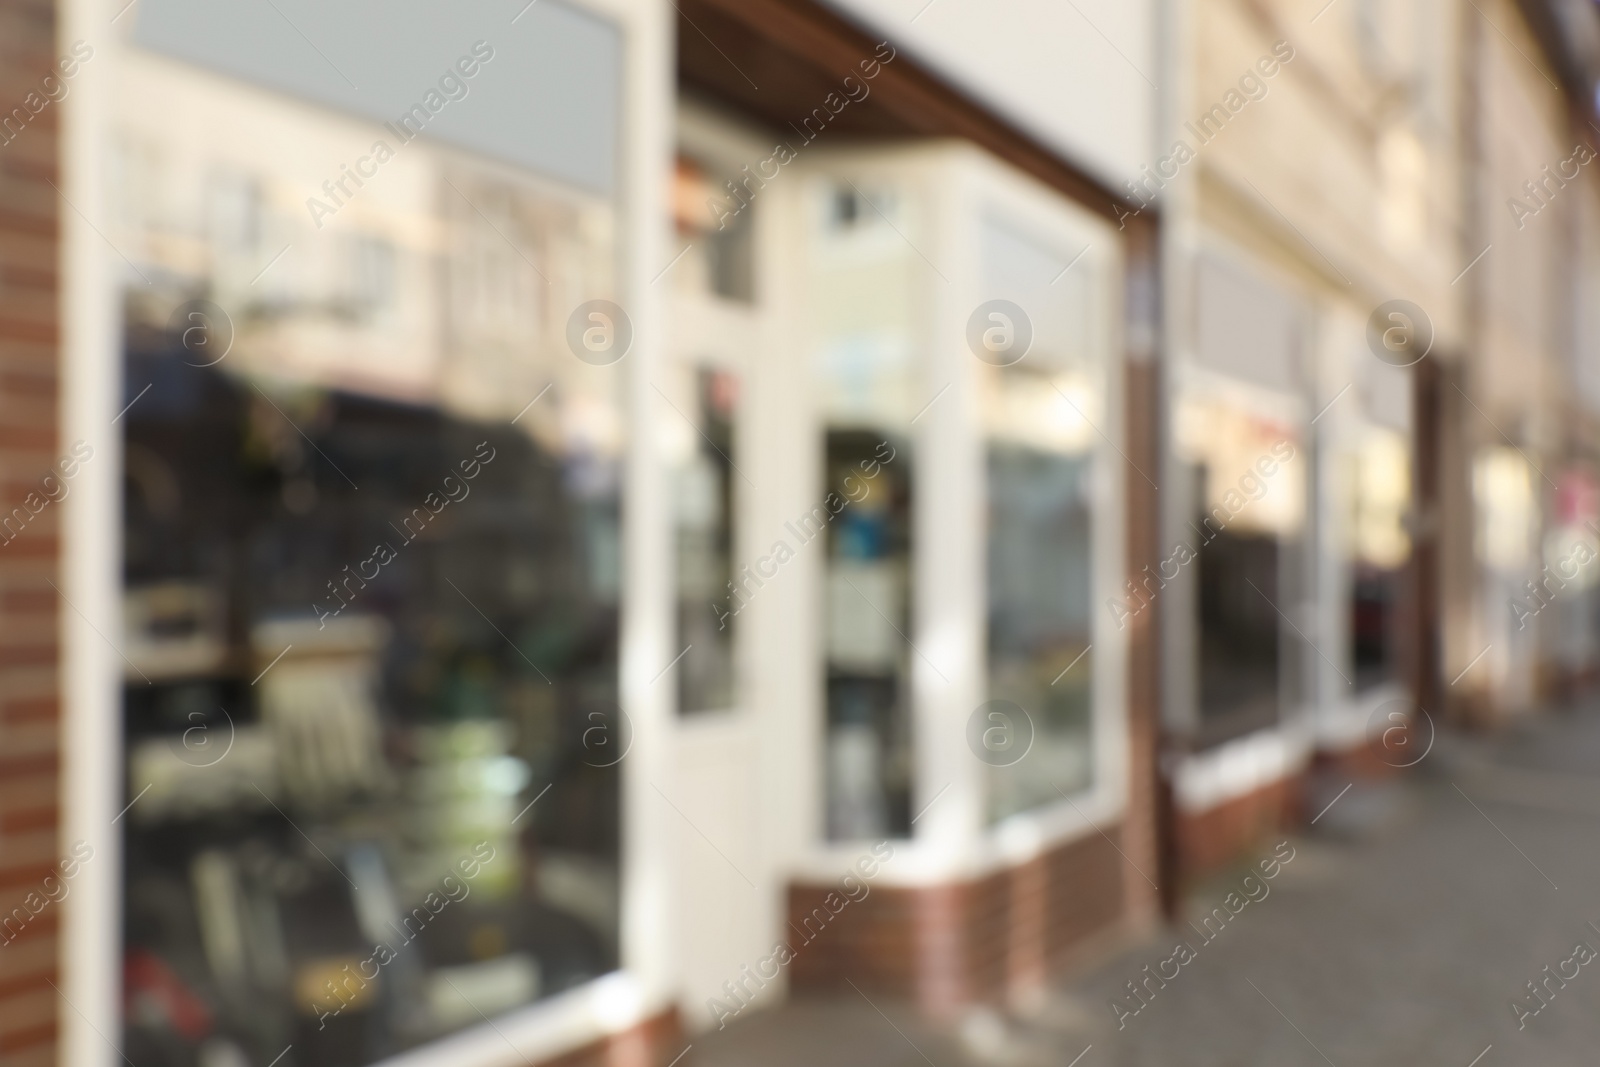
955 188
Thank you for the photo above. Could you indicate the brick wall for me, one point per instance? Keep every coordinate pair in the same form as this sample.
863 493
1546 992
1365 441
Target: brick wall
1211 840
29 612
948 946
1233 832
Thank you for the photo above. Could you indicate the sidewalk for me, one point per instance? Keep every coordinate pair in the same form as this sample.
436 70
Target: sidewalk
1410 917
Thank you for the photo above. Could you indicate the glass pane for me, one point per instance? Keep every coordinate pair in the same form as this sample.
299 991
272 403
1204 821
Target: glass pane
868 606
1040 407
1249 490
1379 493
1039 628
372 579
1240 653
713 216
864 273
703 500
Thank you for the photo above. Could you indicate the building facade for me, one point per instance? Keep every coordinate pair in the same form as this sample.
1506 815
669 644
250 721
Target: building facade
1522 586
1312 206
535 532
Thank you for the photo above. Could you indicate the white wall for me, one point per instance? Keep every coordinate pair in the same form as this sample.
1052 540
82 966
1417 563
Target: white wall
1081 77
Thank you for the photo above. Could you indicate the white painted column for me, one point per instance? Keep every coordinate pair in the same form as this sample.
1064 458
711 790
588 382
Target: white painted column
948 537
91 554
647 615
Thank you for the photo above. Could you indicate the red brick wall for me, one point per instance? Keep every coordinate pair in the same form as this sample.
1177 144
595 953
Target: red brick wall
1212 839
952 945
1365 761
29 741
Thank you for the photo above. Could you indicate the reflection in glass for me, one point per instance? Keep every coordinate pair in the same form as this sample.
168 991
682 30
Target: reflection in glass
372 585
868 604
1379 492
1240 652
862 279
1039 448
1039 629
1247 524
703 509
713 218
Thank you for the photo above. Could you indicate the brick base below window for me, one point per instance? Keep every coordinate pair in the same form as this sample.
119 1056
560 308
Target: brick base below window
948 946
1212 839
1366 762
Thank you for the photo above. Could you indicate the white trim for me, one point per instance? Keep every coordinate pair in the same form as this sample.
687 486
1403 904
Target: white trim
541 1031
91 579
1206 780
645 164
1009 843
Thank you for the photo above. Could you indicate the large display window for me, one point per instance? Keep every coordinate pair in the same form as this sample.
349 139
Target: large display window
1040 409
372 577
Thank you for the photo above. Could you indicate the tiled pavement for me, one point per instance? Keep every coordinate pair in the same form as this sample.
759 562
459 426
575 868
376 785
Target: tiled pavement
1410 917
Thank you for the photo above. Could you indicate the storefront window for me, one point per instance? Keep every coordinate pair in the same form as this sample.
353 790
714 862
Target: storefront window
1248 487
1039 416
864 277
714 220
1505 496
711 282
372 528
1379 488
700 438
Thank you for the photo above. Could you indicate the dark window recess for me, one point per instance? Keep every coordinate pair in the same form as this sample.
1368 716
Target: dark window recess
1239 641
868 538
1374 607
